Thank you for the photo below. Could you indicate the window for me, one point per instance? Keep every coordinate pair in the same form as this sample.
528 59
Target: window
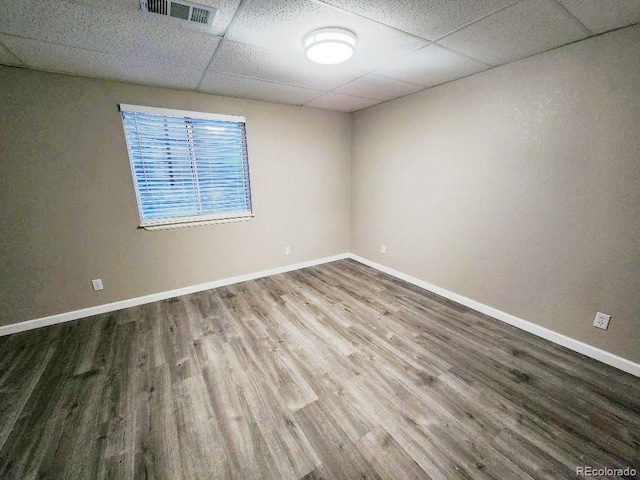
187 167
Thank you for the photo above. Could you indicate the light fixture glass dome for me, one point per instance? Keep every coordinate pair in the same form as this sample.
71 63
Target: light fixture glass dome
330 45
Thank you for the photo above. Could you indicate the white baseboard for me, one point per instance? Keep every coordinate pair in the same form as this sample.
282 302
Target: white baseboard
132 302
568 342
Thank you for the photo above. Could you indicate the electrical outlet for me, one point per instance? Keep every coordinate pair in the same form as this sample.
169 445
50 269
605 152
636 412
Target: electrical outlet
97 284
287 250
602 321
383 249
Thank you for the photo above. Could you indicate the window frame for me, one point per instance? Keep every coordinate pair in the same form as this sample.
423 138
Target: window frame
186 221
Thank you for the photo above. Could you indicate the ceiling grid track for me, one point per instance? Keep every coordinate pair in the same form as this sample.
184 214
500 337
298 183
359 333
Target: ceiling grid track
589 31
78 48
373 72
235 18
473 22
348 12
8 50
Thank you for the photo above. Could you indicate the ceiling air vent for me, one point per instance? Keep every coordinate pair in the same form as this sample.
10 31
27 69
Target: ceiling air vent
182 10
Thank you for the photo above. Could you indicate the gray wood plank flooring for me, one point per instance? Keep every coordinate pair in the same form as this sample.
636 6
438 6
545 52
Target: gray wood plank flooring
336 371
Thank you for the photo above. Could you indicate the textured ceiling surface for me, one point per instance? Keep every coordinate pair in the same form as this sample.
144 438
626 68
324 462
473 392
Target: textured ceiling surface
254 48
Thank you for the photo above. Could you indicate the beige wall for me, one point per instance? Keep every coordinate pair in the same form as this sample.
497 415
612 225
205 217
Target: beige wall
518 187
68 210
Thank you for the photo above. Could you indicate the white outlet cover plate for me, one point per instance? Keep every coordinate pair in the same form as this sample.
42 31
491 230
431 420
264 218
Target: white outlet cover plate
97 284
602 321
383 249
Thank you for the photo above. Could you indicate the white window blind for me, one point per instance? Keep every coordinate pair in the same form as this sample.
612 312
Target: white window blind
187 166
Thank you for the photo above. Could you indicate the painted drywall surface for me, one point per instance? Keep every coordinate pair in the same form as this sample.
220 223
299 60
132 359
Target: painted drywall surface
68 210
518 188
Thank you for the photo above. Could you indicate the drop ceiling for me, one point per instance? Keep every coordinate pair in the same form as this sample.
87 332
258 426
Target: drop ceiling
254 47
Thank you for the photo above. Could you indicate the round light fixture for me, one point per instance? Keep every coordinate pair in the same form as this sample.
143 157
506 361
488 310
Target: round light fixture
330 45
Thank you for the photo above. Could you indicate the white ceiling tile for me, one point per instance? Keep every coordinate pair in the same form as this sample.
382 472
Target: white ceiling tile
224 10
527 28
278 66
428 19
8 58
431 66
602 15
282 25
341 103
233 86
131 34
88 63
121 5
378 87
263 57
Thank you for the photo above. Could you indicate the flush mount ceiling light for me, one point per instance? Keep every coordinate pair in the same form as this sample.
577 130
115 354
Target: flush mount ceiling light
329 45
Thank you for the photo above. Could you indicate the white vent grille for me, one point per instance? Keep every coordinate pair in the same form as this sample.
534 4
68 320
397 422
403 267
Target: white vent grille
181 10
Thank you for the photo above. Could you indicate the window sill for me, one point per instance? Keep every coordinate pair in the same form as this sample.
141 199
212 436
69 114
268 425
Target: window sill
169 226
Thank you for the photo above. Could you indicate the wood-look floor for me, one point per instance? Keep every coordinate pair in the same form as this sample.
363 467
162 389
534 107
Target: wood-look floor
335 371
